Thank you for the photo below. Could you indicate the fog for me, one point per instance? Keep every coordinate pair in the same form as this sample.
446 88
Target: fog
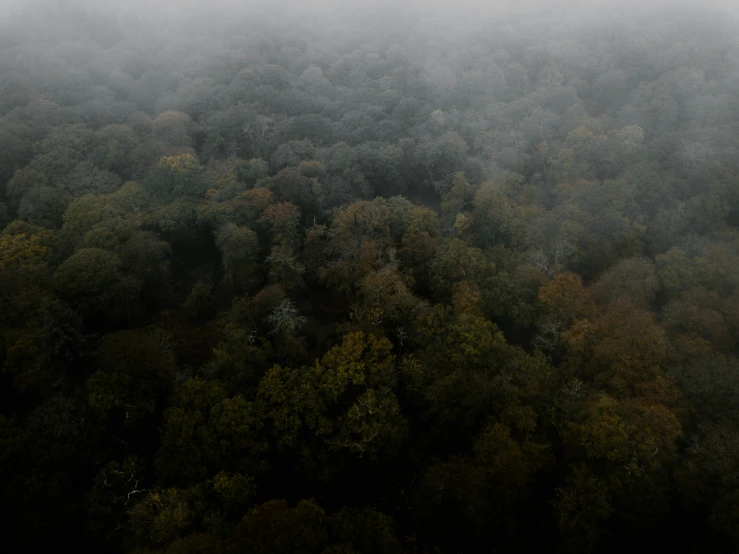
290 16
356 277
422 8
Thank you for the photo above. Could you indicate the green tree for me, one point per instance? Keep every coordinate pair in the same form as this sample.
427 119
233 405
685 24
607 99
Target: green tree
91 279
239 248
464 371
170 128
358 241
135 372
277 527
455 201
455 262
354 378
459 501
205 431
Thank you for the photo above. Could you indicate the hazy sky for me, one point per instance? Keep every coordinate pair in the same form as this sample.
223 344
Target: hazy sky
340 5
440 11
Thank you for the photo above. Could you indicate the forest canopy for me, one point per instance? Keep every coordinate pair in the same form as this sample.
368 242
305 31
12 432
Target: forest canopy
338 278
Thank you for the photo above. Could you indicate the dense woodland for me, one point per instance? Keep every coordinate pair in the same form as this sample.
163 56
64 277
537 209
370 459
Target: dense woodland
369 283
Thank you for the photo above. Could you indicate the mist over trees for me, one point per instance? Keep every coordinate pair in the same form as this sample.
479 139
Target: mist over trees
364 278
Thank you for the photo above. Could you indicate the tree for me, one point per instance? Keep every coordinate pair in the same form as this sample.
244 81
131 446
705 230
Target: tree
629 445
86 178
87 211
146 258
440 158
106 235
205 431
241 356
44 206
199 302
466 371
291 153
170 128
291 186
284 268
697 316
277 527
135 371
117 151
176 177
419 242
116 488
564 301
633 279
16 151
511 295
42 348
456 200
4 215
163 516
565 298
252 171
498 218
582 506
354 378
249 205
385 300
281 221
92 280
460 499
25 248
374 426
358 240
42 460
365 531
456 262
286 320
239 248
177 224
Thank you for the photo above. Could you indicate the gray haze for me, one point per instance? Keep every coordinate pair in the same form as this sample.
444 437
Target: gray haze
459 8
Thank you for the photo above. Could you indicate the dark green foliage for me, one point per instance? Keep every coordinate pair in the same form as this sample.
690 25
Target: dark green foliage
135 372
92 279
421 280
